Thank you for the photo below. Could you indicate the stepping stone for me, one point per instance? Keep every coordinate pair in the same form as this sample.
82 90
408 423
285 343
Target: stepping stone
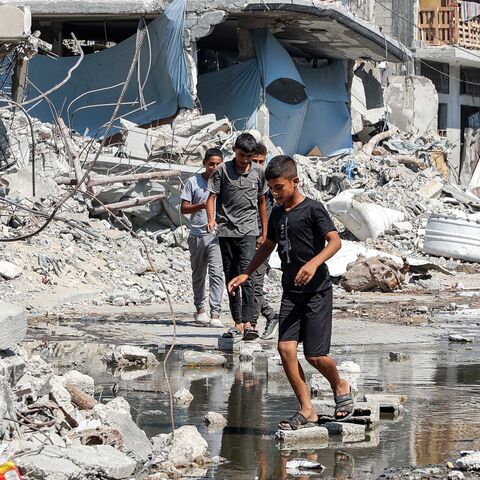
350 432
389 403
305 438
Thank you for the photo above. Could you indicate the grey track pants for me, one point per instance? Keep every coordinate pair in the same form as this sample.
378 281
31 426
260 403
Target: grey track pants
261 304
205 255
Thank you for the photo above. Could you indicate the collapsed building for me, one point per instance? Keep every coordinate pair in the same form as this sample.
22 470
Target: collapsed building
255 63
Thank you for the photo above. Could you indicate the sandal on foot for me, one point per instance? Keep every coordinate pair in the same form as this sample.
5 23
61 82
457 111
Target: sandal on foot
345 403
232 333
250 334
296 422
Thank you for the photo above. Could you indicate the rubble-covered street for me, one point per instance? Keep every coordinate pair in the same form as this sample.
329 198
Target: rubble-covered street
105 113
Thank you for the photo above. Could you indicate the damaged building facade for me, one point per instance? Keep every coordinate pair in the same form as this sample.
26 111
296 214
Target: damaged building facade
262 65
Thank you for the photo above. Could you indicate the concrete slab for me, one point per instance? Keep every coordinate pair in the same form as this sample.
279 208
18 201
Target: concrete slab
350 432
305 438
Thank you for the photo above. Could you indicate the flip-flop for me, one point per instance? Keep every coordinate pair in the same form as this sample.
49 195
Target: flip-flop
345 403
250 334
296 422
232 333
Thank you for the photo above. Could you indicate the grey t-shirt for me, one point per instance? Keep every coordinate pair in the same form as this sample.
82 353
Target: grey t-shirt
195 191
237 199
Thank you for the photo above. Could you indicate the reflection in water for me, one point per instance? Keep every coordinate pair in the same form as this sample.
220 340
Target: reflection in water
442 383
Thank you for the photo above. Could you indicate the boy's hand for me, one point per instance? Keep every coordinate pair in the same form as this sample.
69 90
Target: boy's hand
211 227
236 282
261 240
305 274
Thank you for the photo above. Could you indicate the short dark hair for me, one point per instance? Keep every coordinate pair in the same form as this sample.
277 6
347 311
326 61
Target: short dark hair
260 149
213 152
281 166
246 142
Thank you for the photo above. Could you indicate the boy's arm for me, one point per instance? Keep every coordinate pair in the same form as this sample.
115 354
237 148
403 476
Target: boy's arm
263 252
307 272
212 225
188 207
262 210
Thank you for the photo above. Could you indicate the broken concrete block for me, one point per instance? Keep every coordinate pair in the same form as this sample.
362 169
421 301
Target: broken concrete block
388 403
186 445
9 270
102 459
191 126
402 227
470 462
313 437
197 359
182 397
50 463
350 432
60 395
13 325
83 382
116 414
215 419
56 463
130 354
12 366
432 189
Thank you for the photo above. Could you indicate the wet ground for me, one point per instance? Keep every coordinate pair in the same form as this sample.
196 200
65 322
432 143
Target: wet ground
441 380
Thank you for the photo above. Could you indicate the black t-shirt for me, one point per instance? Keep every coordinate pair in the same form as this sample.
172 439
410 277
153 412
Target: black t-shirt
300 235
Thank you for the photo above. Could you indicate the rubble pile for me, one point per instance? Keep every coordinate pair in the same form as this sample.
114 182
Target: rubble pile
55 428
397 185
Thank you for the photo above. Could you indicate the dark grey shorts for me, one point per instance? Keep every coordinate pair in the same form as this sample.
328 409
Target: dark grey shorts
307 318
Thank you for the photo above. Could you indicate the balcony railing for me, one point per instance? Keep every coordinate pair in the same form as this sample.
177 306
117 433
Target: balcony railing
443 26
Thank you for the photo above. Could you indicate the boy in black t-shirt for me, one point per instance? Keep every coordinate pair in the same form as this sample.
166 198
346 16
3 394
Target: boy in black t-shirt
306 239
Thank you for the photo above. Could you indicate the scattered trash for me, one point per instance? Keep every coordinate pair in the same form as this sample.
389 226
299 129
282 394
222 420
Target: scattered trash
299 463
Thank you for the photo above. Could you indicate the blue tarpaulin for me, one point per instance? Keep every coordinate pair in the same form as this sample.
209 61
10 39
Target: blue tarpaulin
166 87
308 106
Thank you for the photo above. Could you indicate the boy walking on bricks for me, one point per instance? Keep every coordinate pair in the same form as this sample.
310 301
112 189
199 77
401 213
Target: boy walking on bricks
238 186
203 245
306 239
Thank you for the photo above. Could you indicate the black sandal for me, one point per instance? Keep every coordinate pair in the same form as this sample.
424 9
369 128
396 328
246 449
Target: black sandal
296 422
345 403
250 334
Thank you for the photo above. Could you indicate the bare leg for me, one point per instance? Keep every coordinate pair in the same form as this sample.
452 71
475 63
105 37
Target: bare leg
296 377
328 368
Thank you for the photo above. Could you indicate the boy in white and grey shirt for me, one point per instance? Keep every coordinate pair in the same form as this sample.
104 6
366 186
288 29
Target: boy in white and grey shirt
203 245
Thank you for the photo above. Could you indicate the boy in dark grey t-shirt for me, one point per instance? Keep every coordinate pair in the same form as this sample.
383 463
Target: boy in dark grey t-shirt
239 187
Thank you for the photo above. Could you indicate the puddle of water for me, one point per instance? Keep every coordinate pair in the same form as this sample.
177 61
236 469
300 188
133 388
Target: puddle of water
441 380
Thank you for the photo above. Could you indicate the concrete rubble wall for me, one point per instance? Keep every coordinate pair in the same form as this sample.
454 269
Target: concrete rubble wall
413 104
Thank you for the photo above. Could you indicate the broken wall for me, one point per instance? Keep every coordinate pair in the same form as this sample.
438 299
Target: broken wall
413 104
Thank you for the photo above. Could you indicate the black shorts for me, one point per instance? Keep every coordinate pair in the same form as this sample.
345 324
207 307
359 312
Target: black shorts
307 318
